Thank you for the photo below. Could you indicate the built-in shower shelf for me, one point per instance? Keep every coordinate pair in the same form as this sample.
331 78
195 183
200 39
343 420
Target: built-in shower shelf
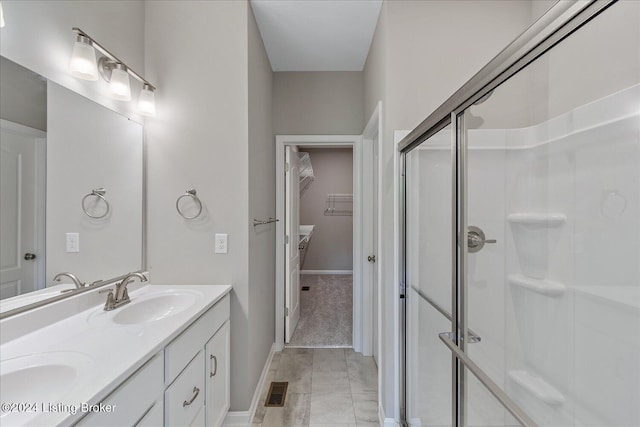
540 286
538 387
538 219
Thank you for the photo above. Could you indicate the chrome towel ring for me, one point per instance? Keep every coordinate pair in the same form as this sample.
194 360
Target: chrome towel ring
99 193
189 193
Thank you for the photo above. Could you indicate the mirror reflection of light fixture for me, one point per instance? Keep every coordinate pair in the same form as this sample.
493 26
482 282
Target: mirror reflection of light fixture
83 60
1 16
111 69
147 101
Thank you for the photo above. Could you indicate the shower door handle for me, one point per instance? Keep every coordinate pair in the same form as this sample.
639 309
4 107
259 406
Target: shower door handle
476 239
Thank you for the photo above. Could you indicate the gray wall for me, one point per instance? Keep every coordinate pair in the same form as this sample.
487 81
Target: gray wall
412 71
24 95
210 134
318 103
262 204
331 246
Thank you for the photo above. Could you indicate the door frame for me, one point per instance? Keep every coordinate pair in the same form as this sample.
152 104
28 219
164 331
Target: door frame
40 138
361 325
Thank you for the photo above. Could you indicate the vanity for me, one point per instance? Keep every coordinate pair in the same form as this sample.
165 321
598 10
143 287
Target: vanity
162 359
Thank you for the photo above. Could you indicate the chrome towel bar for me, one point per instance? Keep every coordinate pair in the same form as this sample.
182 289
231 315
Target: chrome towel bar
264 221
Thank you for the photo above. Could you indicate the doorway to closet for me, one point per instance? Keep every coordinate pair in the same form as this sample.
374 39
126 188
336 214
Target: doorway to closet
319 192
322 299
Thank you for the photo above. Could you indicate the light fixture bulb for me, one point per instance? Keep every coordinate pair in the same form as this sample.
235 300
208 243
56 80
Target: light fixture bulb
83 59
119 87
147 101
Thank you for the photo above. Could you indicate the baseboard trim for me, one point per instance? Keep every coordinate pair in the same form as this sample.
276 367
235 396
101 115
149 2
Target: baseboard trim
326 271
244 418
237 418
384 421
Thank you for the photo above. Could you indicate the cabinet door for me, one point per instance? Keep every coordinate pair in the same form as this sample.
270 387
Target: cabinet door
217 389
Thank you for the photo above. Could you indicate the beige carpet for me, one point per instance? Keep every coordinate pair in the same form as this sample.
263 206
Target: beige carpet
326 313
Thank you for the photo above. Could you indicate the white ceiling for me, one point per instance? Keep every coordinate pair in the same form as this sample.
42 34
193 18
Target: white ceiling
317 35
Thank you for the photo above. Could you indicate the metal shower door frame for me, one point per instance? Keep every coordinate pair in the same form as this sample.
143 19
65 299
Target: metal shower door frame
562 20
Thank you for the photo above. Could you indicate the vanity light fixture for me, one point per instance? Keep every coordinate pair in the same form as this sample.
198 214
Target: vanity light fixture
111 69
147 101
83 60
116 74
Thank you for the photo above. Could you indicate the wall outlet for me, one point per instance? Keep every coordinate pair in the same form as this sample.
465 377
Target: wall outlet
73 242
221 243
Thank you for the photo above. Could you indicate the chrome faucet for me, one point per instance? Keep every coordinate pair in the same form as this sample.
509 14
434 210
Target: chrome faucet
78 283
121 296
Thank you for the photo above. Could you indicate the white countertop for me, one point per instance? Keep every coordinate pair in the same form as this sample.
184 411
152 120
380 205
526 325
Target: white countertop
105 353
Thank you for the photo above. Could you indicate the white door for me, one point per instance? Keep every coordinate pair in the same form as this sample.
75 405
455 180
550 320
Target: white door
374 233
292 254
20 254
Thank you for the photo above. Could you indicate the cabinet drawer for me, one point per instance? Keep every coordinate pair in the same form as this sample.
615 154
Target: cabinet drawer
132 398
154 417
185 397
182 349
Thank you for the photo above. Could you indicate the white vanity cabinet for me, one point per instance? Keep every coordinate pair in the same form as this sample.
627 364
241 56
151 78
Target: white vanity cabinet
184 384
133 401
197 371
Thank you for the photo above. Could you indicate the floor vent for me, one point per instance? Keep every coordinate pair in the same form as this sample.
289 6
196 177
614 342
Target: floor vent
276 395
306 288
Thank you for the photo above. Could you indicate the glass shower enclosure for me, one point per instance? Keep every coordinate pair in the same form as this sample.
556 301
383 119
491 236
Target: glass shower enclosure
521 251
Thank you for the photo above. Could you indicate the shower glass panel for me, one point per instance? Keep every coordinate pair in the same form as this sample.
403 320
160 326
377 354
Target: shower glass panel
553 175
429 262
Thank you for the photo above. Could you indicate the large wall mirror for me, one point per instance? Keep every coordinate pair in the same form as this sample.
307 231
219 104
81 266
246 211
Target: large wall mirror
71 189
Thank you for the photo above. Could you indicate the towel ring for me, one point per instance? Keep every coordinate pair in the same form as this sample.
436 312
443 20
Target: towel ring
189 193
99 193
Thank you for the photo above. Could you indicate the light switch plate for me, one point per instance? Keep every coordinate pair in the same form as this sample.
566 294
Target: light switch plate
221 243
73 242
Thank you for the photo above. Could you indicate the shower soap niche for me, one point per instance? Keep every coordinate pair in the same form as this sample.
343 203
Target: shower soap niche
538 387
535 236
544 287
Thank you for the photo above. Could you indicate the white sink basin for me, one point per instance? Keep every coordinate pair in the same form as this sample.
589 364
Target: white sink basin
148 307
39 379
154 307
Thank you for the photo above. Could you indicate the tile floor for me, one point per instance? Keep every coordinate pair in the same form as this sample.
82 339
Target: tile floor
327 387
326 311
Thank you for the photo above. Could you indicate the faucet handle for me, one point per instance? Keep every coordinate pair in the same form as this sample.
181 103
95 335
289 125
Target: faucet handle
104 291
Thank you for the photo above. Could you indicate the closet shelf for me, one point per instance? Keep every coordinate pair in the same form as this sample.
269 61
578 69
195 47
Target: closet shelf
537 387
539 286
339 205
539 219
